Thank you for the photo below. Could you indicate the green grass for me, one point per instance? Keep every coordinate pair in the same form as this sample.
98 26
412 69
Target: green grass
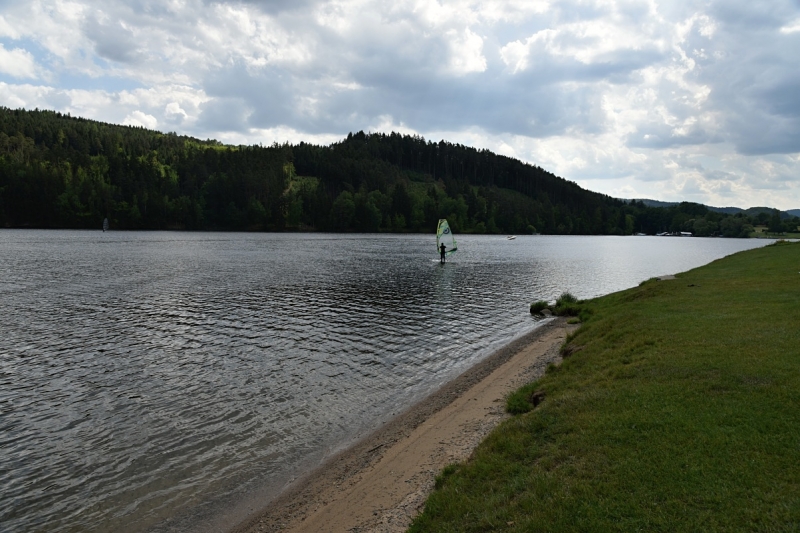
678 409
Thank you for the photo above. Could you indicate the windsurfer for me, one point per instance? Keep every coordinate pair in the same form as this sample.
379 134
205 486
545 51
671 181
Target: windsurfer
444 235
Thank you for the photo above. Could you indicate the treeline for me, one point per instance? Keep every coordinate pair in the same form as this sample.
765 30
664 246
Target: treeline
62 172
58 171
703 222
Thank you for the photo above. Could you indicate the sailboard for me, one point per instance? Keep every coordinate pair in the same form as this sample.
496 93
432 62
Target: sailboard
105 224
446 237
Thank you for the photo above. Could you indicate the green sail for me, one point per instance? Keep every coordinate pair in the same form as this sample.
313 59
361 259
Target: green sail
444 235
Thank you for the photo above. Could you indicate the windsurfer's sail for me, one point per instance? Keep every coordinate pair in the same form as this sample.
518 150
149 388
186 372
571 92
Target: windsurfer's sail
105 224
446 237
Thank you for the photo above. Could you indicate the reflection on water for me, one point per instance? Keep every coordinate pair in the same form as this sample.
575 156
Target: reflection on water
144 375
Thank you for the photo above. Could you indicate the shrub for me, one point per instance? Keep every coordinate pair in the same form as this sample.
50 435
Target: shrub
567 305
566 298
538 306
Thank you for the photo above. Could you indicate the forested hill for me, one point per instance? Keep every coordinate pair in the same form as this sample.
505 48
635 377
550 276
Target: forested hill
58 171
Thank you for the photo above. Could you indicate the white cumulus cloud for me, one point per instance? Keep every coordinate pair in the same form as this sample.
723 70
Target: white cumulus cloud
467 52
138 118
17 63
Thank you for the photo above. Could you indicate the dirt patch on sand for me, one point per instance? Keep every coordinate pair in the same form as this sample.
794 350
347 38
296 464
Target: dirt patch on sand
380 484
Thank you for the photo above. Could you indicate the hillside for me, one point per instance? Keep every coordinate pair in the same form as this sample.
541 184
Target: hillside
751 212
58 171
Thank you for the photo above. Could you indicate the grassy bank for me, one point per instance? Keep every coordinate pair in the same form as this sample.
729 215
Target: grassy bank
677 410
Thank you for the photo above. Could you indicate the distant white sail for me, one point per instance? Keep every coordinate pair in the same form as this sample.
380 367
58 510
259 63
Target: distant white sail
446 237
105 224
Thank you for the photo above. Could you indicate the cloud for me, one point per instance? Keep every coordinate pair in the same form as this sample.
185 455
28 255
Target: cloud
175 113
138 118
685 97
279 6
8 30
466 52
792 27
112 39
116 107
17 63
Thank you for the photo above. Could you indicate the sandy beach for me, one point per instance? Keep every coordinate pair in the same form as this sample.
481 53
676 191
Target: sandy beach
380 483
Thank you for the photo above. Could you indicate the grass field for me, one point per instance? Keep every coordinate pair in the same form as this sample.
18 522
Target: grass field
677 410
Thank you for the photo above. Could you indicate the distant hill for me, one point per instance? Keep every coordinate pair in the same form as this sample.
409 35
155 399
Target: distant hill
658 203
752 211
726 210
755 211
653 203
59 171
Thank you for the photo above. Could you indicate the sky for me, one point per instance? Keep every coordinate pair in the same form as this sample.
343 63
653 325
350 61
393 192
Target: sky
680 100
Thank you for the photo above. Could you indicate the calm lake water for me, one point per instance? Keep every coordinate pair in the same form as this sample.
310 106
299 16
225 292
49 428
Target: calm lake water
165 381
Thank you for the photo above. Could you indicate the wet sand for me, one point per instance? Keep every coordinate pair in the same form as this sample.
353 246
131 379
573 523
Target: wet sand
380 483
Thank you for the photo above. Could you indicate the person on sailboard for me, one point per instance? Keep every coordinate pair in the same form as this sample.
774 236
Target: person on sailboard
442 249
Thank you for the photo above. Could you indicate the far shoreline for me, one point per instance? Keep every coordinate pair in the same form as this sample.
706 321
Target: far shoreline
756 235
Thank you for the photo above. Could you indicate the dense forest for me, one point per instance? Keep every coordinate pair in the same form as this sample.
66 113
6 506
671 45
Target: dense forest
58 171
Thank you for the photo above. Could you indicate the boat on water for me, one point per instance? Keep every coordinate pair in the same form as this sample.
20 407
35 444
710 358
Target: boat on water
511 237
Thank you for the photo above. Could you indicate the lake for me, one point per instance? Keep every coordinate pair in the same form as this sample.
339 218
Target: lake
167 380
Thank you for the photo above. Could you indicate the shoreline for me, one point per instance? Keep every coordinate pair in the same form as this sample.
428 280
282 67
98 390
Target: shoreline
359 488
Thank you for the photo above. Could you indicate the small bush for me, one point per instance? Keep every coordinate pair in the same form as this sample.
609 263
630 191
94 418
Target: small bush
568 310
566 298
567 305
538 306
